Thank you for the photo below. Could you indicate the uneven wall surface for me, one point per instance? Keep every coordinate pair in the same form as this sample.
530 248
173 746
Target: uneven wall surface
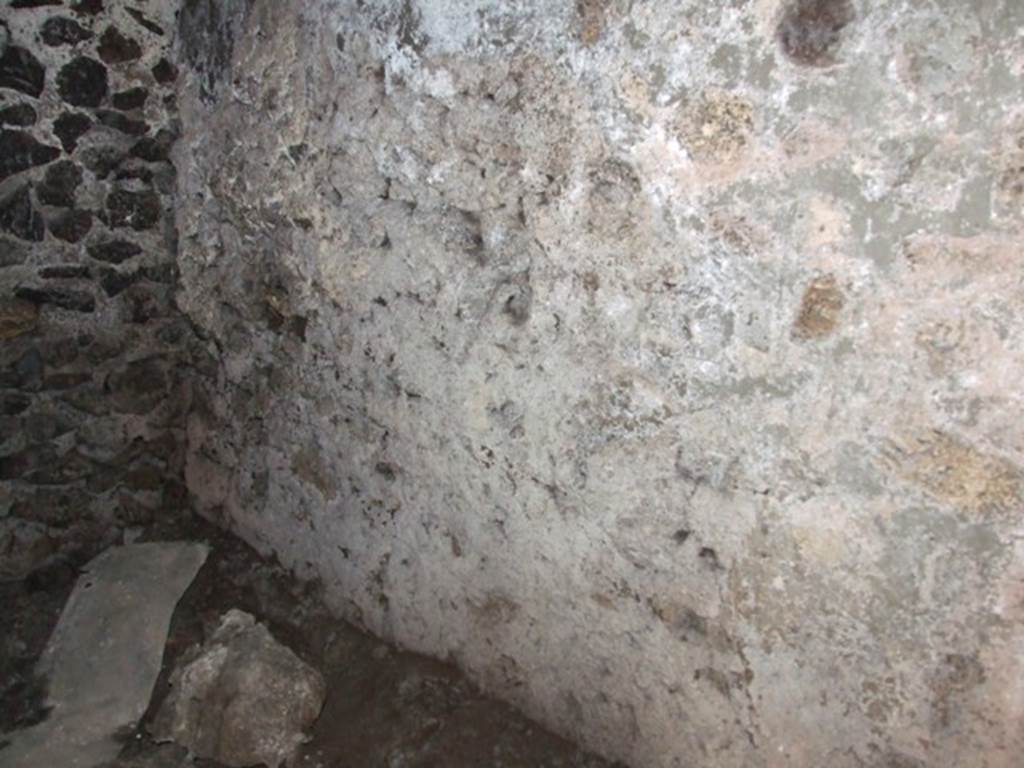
93 351
659 363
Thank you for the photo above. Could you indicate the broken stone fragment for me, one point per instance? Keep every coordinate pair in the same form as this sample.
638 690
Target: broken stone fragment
242 699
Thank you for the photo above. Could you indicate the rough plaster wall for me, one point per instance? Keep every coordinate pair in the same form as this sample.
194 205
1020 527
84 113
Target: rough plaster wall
657 362
94 355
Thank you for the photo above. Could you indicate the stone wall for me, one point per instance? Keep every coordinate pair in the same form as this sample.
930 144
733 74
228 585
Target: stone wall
92 346
659 363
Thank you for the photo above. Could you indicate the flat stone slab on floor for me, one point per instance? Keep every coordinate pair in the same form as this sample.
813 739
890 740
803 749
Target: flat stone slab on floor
105 654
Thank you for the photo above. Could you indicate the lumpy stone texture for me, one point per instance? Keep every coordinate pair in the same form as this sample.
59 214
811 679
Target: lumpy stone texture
658 363
95 357
243 699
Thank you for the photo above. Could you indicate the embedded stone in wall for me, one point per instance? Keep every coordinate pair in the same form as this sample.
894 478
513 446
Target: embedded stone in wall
21 71
88 7
21 115
25 373
60 350
17 317
103 160
139 386
60 30
155 149
591 19
65 272
43 427
121 122
25 545
143 303
12 403
116 48
20 151
12 253
44 465
809 30
70 226
167 272
52 506
83 82
164 72
69 128
133 98
718 126
114 251
819 309
58 382
34 3
128 172
114 282
138 210
63 298
19 217
145 21
59 184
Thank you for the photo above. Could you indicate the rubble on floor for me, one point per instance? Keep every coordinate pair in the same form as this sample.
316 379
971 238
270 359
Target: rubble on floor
382 707
244 699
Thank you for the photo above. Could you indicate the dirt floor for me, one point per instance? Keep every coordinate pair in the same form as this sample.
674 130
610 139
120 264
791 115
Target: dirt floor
384 707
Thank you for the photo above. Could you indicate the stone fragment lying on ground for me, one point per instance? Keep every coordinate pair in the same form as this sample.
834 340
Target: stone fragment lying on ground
242 699
105 654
